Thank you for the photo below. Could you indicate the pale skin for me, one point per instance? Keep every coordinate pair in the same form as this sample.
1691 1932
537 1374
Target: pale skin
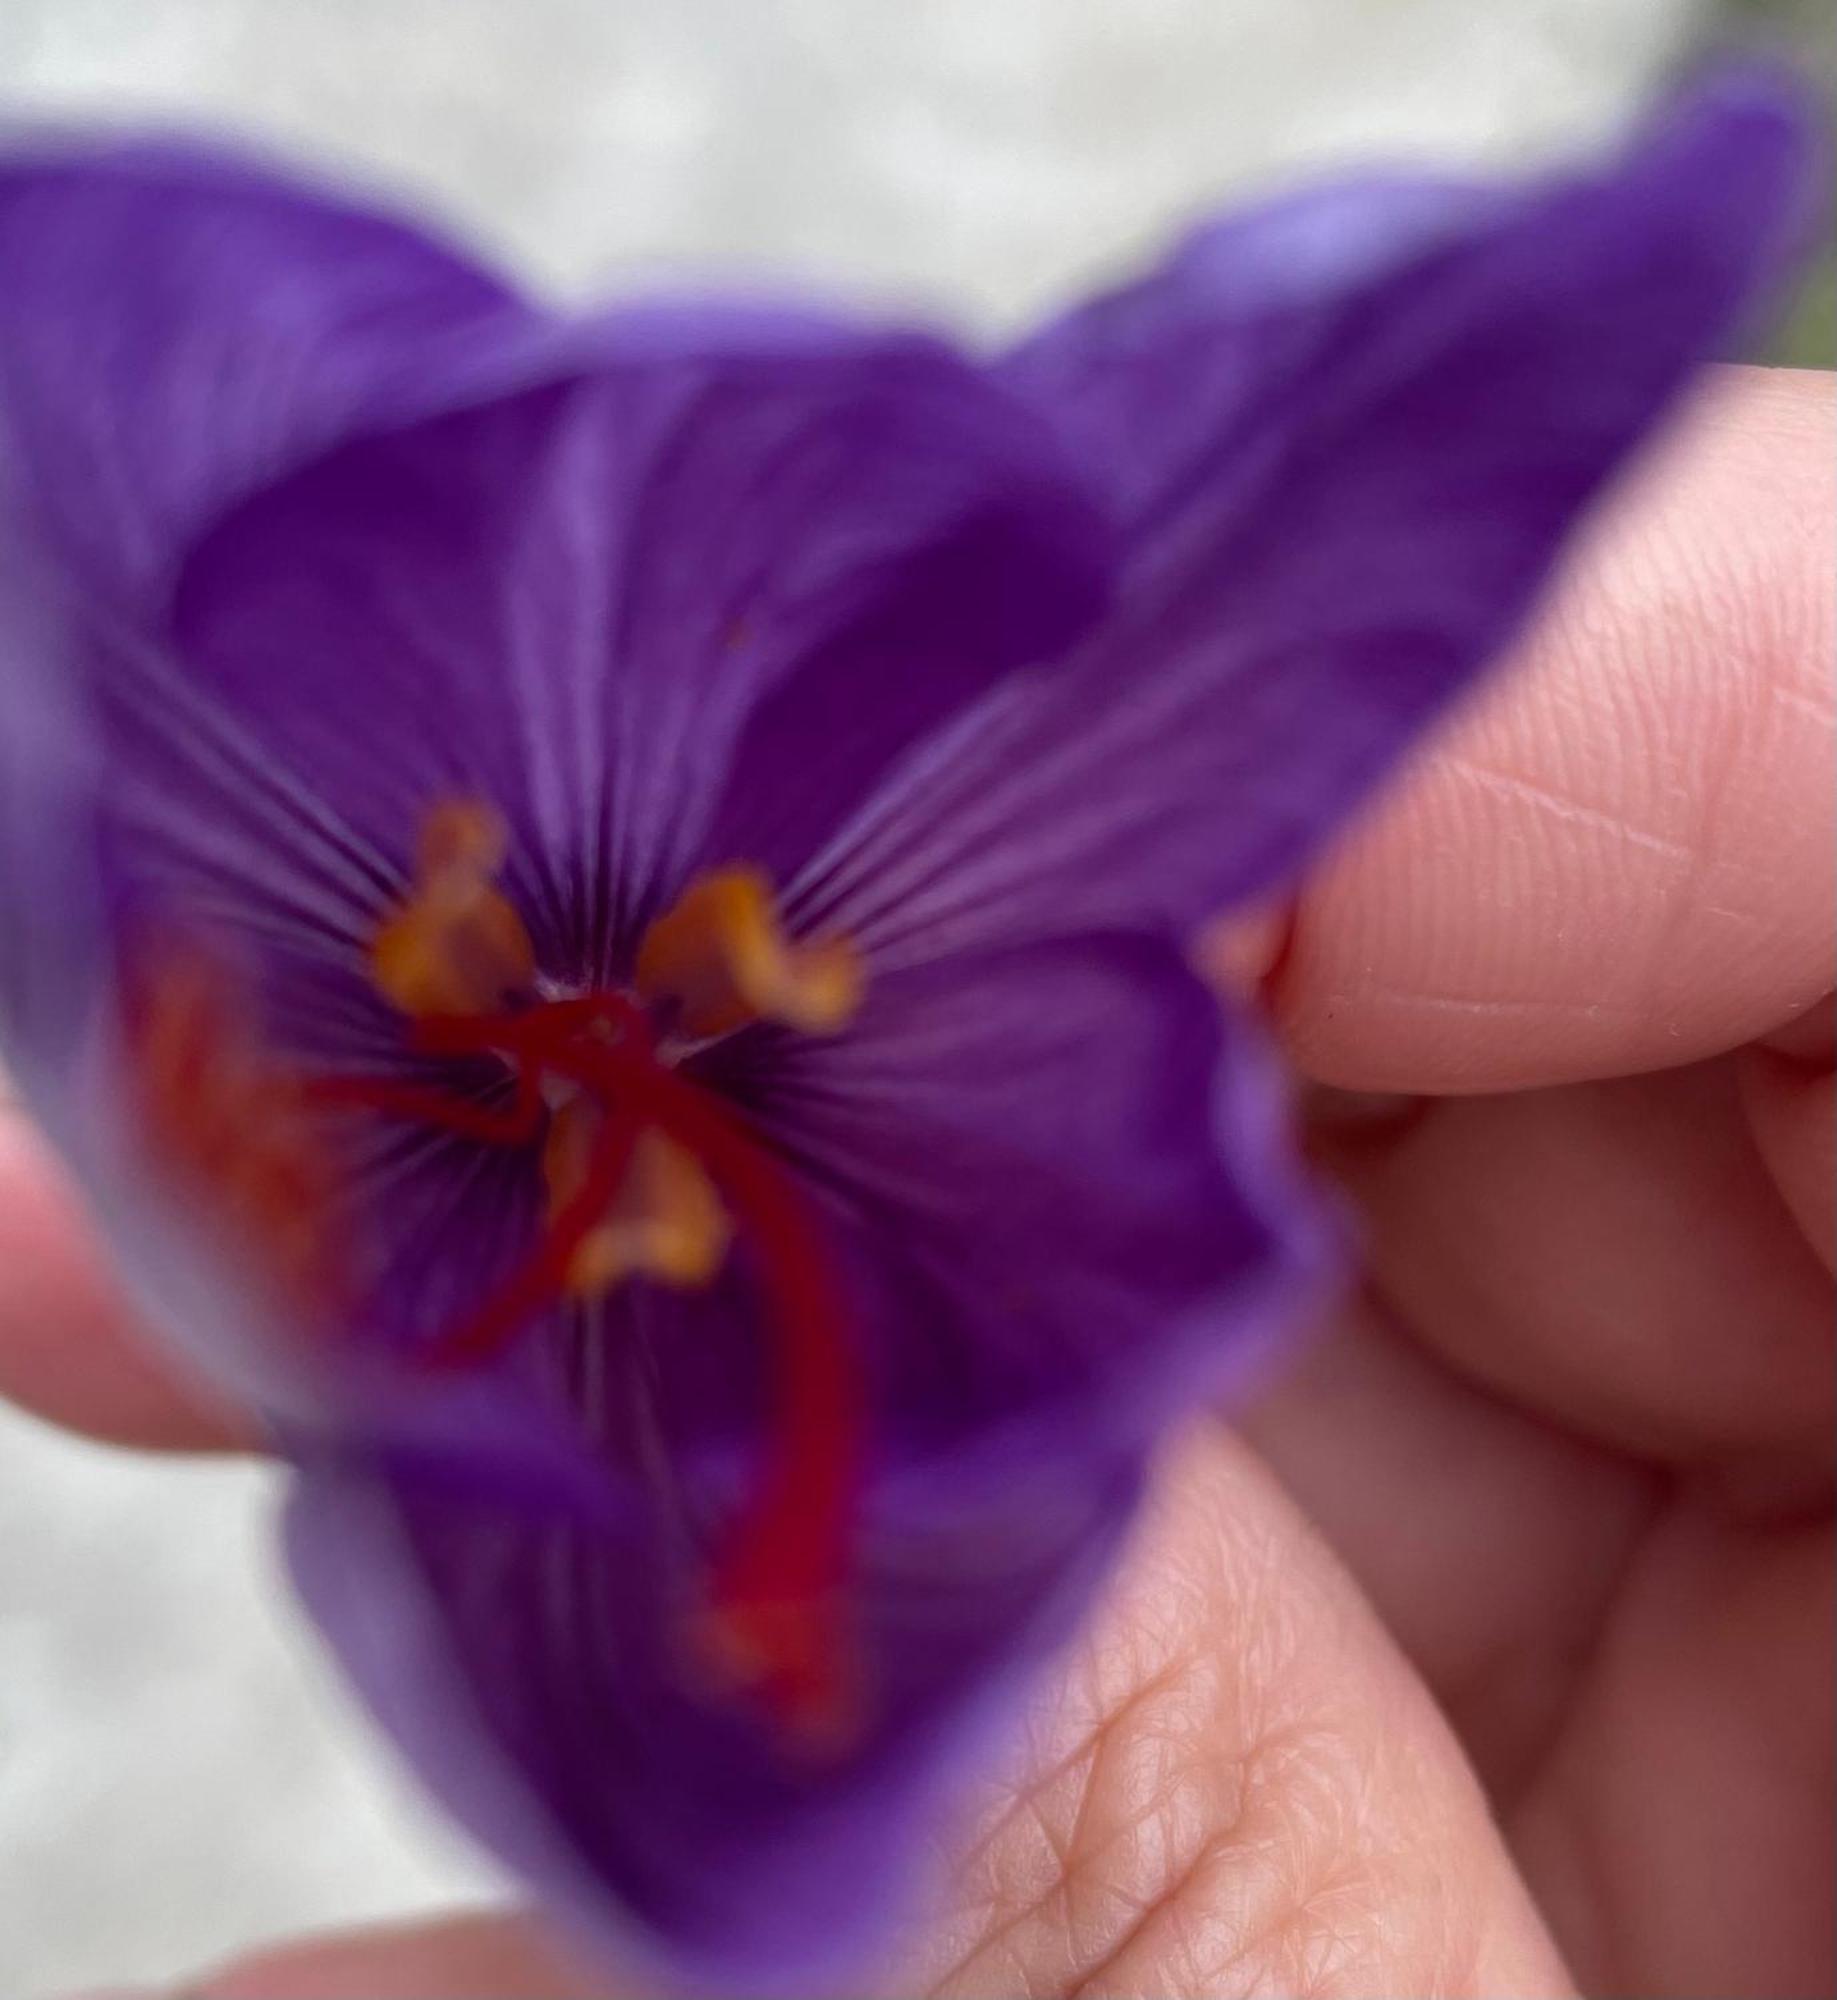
1489 1652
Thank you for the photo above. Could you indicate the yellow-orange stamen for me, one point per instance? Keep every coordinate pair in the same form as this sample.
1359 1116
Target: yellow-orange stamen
666 1222
722 960
457 946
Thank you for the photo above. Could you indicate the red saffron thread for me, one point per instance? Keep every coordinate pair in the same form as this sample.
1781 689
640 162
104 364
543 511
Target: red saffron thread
774 1615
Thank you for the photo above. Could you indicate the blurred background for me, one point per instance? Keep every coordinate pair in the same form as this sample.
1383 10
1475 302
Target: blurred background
179 1775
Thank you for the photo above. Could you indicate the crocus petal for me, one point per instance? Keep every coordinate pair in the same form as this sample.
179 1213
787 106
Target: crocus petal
538 1679
1237 317
1338 516
47 902
177 325
577 604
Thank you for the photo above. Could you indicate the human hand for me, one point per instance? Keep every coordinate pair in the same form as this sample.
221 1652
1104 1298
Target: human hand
1490 1651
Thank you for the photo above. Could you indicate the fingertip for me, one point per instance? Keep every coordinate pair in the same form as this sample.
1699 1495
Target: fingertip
1619 858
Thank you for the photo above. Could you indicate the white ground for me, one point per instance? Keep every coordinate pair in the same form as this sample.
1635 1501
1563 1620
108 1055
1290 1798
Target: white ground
177 1774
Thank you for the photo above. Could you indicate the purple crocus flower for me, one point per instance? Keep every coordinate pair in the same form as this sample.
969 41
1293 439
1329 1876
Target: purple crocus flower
603 908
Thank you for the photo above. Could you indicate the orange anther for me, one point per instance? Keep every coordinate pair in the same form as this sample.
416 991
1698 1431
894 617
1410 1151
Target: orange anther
666 1222
457 946
722 959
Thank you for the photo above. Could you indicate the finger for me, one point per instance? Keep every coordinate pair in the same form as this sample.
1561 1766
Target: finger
1612 1255
1620 858
483 1957
1682 1830
1236 1786
71 1349
1489 1542
1792 1110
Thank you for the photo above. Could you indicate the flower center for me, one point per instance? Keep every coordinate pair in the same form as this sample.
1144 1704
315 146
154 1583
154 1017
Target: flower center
647 1174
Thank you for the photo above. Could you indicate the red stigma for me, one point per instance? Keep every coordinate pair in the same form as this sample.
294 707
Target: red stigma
773 1621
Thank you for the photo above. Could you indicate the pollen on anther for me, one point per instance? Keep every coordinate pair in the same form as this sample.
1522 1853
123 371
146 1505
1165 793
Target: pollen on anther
457 944
666 1223
721 959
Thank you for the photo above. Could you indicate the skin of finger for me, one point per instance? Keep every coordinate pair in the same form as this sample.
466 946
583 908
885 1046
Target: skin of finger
71 1349
1681 1833
1234 1787
1613 1255
1792 1112
1620 856
1489 1540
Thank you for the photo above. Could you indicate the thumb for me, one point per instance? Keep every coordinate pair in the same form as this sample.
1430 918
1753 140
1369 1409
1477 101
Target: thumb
1238 1786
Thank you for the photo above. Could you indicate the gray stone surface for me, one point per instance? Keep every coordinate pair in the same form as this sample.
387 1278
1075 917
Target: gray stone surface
177 1773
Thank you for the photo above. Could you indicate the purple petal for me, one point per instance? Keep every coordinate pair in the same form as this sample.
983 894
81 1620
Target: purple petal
48 913
1157 386
581 604
176 325
535 1678
1342 508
